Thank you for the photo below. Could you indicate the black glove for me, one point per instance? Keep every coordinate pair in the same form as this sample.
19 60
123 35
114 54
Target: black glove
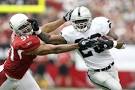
86 43
67 16
35 26
107 44
99 48
103 45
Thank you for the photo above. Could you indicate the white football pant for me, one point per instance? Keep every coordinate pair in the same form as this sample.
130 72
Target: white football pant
107 80
26 83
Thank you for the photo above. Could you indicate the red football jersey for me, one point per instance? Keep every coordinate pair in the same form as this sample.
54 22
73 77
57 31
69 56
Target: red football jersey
17 63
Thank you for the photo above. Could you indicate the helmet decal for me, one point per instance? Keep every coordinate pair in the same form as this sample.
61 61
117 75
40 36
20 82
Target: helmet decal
10 24
79 14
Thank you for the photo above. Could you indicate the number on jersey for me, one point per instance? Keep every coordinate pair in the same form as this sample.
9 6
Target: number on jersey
85 52
12 55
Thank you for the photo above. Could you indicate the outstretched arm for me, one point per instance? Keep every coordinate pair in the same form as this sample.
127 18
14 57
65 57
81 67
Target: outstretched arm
44 49
49 27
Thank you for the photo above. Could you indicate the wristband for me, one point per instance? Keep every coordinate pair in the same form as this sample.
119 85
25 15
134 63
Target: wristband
38 32
114 43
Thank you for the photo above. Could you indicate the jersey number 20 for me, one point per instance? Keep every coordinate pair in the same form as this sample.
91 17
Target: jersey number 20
82 50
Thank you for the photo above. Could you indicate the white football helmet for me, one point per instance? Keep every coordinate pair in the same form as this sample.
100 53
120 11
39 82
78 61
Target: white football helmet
81 18
20 25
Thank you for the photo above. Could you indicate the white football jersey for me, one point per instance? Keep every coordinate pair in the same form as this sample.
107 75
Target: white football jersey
99 25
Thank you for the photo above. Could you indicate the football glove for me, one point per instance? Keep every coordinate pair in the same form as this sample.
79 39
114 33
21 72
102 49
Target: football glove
35 26
86 43
67 16
103 45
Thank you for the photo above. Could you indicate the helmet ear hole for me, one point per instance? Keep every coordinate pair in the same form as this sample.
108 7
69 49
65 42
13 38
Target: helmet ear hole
11 26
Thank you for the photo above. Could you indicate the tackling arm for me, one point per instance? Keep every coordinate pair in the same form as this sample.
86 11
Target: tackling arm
44 49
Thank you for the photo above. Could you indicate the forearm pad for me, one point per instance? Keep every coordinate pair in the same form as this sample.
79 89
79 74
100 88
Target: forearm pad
105 44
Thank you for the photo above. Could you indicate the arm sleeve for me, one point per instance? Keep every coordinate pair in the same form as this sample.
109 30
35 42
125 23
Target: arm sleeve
105 28
65 34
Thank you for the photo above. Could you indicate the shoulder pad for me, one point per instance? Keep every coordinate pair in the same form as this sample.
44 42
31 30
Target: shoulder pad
103 24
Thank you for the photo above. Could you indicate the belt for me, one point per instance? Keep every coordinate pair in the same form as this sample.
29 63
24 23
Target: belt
104 69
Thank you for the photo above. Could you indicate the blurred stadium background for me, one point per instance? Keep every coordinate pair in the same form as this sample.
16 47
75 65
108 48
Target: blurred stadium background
67 70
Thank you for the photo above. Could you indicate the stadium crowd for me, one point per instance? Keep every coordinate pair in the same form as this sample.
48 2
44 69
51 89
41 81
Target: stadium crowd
59 70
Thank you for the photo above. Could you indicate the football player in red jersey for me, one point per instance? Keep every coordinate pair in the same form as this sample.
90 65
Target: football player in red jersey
24 48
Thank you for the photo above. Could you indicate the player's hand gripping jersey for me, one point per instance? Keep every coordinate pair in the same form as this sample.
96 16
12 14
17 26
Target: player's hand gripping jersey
17 62
100 26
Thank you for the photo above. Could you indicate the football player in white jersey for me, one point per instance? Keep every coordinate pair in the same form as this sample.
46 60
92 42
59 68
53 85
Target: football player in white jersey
100 63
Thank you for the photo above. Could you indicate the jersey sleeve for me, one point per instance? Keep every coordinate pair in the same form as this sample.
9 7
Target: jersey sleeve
65 33
30 43
103 25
